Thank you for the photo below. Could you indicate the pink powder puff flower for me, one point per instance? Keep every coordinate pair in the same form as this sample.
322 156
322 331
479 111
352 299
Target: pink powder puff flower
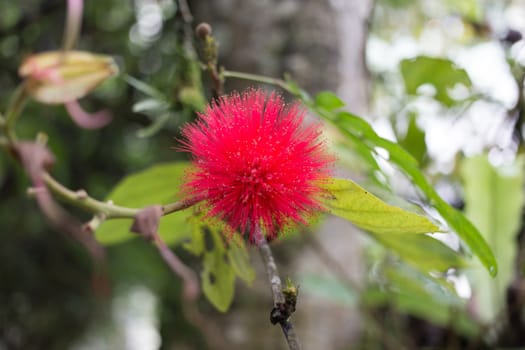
255 164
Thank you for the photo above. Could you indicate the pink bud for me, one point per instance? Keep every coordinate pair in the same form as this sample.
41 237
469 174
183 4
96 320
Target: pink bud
57 77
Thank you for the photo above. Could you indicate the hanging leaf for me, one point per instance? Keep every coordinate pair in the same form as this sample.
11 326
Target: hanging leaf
350 201
223 260
156 185
218 277
196 244
240 262
494 202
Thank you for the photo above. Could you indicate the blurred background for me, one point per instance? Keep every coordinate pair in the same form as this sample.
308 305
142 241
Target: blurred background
442 78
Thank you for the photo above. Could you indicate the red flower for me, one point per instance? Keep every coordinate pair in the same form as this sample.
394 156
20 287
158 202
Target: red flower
254 163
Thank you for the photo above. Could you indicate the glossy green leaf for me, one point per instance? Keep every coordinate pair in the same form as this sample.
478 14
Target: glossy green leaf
350 201
156 185
494 202
442 73
218 276
422 251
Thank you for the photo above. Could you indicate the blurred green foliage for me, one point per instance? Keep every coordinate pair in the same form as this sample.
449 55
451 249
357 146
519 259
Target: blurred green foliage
48 284
46 287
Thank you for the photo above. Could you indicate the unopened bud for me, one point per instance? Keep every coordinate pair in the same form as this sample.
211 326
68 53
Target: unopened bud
57 77
203 30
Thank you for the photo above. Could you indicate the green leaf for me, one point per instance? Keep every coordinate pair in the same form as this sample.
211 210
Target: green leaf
494 202
196 244
411 281
467 232
414 140
421 295
328 100
355 126
222 260
156 126
359 130
422 251
350 201
144 88
156 185
193 97
217 276
240 262
149 104
442 73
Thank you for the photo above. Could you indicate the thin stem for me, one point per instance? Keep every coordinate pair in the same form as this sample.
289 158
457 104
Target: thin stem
276 287
271 270
185 11
218 81
73 23
4 142
191 283
178 206
82 200
213 335
16 105
210 57
255 77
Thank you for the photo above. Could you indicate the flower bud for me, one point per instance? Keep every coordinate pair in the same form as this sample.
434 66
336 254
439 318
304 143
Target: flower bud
57 77
203 30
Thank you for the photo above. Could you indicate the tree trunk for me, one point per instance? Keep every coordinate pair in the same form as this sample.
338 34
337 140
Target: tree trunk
322 45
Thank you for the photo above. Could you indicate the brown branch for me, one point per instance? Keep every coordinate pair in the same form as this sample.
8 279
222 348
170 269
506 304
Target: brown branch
280 312
189 279
190 295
